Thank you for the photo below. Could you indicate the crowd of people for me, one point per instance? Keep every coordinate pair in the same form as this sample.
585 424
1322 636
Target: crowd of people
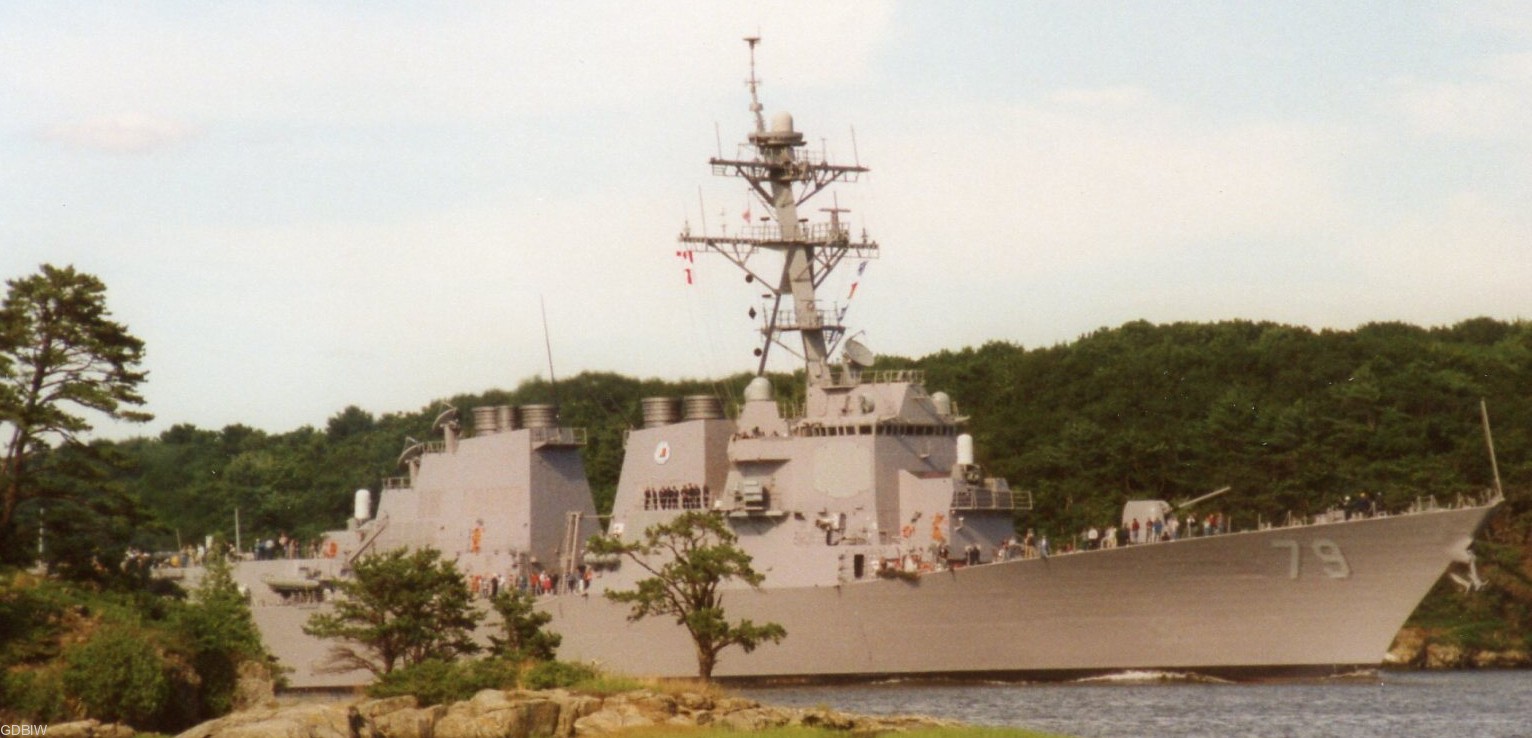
684 497
536 583
1137 531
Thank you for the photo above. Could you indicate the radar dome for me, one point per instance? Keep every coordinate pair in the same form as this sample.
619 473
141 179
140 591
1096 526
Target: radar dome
782 123
943 403
759 390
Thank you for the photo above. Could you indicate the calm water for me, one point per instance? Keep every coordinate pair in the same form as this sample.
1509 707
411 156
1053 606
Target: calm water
1389 705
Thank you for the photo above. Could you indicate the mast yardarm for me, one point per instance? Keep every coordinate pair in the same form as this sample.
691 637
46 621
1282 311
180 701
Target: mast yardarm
783 176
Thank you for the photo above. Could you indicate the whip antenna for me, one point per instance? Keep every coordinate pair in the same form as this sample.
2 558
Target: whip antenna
553 382
1489 440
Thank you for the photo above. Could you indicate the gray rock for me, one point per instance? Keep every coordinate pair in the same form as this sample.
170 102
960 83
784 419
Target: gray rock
408 722
518 714
612 717
76 729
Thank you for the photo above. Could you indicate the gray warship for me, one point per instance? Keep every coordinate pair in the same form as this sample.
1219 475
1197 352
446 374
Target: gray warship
887 551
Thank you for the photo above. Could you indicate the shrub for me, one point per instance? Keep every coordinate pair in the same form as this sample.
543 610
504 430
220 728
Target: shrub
610 684
218 632
435 682
555 674
31 696
119 676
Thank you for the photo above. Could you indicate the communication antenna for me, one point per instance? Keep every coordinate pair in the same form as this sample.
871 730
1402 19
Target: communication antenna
1489 440
753 83
553 382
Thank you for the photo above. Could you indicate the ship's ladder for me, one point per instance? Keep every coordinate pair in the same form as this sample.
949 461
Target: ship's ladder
569 552
378 526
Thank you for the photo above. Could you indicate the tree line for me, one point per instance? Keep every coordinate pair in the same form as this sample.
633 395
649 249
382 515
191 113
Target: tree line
1293 419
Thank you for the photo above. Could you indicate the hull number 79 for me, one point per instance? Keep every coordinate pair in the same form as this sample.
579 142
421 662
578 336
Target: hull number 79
1331 561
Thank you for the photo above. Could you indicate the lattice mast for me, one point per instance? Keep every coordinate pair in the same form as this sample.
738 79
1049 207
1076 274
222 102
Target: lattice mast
783 177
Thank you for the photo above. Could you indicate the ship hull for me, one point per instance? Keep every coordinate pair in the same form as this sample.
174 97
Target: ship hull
1286 601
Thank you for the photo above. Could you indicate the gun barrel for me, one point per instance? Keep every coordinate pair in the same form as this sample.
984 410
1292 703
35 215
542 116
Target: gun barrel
1207 496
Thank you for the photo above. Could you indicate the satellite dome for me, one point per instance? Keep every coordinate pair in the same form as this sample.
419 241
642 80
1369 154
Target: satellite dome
943 403
759 390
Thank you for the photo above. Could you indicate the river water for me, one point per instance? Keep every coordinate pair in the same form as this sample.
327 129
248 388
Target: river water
1464 704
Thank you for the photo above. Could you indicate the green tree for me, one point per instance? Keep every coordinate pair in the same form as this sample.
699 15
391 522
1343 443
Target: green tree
91 519
220 633
689 559
398 609
523 624
120 675
60 353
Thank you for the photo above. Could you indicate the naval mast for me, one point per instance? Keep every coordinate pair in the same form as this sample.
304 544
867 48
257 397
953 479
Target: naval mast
783 177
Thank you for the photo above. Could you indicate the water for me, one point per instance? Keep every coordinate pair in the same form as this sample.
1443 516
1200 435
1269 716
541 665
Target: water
1387 705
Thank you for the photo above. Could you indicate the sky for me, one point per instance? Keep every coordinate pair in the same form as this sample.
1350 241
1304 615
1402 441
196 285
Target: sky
302 206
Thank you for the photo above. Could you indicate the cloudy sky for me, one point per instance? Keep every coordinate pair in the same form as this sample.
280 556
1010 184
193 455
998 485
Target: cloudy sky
303 206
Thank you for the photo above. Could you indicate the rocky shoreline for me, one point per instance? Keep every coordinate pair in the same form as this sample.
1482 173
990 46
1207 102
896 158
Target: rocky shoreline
1414 648
564 714
517 714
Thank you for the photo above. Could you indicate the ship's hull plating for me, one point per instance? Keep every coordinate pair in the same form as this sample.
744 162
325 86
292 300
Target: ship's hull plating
1294 600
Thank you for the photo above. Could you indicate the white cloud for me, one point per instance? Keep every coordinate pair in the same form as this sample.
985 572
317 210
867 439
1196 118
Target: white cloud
1466 256
1125 176
131 133
485 63
1492 102
1040 220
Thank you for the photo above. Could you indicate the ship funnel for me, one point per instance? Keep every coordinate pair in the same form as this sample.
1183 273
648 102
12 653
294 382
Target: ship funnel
964 449
363 506
540 416
486 420
701 407
505 417
660 411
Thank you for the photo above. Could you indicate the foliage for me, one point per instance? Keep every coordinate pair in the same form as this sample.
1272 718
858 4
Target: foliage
604 684
435 681
557 674
119 676
70 651
399 608
32 695
91 518
220 634
60 353
523 625
689 558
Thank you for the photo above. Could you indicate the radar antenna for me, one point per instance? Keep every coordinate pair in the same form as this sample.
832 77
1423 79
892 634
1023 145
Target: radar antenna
753 83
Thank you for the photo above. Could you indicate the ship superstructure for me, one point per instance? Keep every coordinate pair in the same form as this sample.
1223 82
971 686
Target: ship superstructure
871 471
885 548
